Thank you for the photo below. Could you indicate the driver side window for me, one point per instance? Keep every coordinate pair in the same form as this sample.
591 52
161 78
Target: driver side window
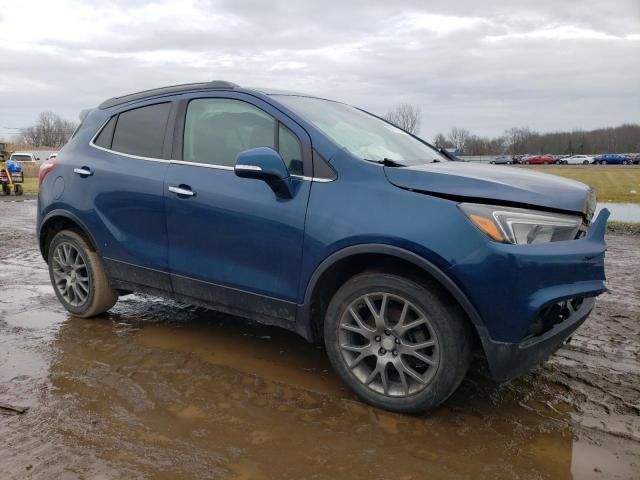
217 129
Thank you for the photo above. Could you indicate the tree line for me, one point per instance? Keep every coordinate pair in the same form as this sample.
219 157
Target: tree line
522 140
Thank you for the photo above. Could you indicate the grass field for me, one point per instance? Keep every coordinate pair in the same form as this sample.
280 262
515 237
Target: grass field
612 183
30 185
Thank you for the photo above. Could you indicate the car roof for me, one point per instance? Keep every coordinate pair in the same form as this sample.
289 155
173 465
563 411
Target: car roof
189 87
23 153
154 92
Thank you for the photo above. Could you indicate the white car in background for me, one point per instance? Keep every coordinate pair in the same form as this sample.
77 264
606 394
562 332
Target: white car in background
23 157
578 160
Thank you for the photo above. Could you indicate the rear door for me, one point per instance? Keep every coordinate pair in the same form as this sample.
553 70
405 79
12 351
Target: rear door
123 183
234 243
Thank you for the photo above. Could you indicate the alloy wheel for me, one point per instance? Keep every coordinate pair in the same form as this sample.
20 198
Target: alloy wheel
389 344
70 274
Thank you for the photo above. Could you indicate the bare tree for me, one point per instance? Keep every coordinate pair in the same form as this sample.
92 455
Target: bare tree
441 141
406 117
522 140
458 138
50 130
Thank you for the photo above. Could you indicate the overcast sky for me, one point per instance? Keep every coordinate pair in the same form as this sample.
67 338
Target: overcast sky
482 65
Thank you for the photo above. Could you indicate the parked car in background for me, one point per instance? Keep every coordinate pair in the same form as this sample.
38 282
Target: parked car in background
559 159
578 160
24 157
53 156
614 159
234 199
538 160
504 160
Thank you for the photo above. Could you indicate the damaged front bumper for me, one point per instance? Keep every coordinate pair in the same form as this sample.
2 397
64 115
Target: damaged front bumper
547 291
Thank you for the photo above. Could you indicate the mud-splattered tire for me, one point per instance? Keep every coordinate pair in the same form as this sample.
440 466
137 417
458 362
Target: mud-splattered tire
382 325
75 267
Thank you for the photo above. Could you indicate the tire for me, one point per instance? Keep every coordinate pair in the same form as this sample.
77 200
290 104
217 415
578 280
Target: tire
444 327
508 163
492 163
18 189
98 294
6 189
586 162
603 162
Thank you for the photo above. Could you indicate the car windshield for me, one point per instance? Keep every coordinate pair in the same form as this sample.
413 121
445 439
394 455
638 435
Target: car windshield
362 134
21 158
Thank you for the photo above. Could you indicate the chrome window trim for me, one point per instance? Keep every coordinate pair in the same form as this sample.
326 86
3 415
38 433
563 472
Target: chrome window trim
184 162
204 165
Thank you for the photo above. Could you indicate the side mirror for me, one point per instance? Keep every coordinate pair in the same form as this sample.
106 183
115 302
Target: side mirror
264 163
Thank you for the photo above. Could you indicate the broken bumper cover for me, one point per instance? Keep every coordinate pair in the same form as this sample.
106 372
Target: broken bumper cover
509 360
544 292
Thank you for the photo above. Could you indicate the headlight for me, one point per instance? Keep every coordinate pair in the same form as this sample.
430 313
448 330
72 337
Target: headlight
521 226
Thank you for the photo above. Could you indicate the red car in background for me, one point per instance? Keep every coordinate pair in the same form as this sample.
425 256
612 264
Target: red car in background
538 160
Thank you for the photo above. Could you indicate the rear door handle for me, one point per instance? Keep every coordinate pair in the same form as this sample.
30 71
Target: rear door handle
83 171
187 192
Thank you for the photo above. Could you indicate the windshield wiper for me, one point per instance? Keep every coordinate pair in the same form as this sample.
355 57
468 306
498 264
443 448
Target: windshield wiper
449 155
387 162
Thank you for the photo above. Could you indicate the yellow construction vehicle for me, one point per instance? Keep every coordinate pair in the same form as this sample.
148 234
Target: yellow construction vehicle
11 174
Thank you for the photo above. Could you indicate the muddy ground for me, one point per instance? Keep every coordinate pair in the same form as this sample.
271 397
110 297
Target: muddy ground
157 389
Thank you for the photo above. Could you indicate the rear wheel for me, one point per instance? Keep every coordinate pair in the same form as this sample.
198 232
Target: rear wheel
397 344
78 276
18 189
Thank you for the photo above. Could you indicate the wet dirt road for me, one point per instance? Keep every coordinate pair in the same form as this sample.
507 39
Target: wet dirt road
157 389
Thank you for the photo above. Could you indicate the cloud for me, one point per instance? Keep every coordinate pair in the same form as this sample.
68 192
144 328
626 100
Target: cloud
485 66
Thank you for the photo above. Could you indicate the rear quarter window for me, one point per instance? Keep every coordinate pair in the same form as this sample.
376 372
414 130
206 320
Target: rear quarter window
141 131
106 134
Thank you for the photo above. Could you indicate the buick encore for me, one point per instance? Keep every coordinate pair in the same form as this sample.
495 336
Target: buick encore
321 218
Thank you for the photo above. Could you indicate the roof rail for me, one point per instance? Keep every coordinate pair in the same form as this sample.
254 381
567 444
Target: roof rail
186 87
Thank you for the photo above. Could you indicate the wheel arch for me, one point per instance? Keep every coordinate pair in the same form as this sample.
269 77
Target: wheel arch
347 262
59 220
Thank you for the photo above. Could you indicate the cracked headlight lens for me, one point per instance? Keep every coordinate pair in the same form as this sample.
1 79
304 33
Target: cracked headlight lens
521 226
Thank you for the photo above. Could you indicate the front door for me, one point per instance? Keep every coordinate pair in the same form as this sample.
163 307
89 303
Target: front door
233 243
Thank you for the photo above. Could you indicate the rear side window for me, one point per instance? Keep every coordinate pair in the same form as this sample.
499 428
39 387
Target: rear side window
106 134
141 131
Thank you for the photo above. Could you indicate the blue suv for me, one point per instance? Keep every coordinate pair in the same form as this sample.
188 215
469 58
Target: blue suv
326 220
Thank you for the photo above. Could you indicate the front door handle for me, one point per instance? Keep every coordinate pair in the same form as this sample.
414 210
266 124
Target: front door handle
182 191
83 171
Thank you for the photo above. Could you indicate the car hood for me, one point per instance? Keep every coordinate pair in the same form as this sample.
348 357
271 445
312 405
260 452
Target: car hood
485 183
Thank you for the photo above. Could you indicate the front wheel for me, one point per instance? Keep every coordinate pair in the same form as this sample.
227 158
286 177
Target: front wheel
78 276
586 162
398 344
603 162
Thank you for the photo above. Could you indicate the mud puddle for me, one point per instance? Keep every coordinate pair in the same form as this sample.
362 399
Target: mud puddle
156 389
